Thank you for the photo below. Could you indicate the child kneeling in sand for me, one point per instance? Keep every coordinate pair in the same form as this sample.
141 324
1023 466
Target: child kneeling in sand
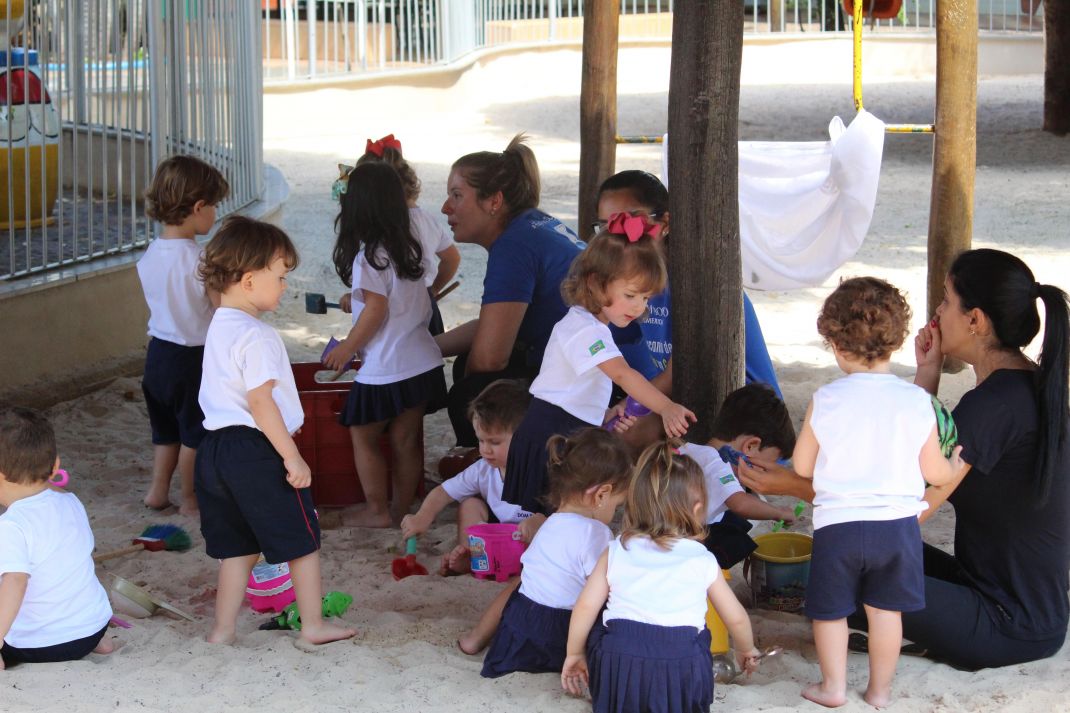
494 414
251 482
52 607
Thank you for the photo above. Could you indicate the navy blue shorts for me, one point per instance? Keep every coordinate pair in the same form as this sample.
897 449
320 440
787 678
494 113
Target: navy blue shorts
874 562
728 540
67 651
246 504
171 385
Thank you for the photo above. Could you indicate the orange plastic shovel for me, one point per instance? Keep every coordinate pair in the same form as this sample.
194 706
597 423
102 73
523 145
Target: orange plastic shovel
407 566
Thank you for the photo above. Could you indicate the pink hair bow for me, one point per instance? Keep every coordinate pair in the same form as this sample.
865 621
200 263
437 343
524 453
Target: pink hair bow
387 142
631 226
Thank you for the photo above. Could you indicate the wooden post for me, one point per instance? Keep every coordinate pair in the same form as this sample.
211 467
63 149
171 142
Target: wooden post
598 105
955 143
1057 66
704 259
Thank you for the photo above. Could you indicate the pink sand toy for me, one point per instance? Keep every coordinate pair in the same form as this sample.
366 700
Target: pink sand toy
496 550
270 588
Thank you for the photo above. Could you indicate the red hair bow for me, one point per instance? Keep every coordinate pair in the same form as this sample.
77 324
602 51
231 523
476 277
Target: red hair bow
631 226
387 142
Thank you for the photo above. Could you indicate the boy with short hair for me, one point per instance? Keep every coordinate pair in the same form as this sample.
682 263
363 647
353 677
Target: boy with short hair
183 197
52 607
494 414
252 483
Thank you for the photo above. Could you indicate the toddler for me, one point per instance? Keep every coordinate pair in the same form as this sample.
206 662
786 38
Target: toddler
52 607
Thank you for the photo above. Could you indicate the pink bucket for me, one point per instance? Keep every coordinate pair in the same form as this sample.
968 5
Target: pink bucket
496 550
269 588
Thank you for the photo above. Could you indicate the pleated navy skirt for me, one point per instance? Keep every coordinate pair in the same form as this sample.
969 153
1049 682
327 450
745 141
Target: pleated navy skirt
526 483
643 667
531 637
371 403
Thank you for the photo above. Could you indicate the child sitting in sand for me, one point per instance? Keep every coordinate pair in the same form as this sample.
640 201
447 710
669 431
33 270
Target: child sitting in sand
870 442
495 414
252 483
52 607
752 421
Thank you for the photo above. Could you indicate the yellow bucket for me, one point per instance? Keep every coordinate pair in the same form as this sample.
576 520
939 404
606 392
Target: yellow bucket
718 631
780 567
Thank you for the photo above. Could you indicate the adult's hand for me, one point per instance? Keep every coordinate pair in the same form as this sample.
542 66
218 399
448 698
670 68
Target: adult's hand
769 478
929 356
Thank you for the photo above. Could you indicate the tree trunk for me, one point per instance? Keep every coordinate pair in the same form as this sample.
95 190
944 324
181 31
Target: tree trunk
598 105
704 265
1057 66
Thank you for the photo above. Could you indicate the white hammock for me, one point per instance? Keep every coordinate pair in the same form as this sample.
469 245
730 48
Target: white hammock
805 206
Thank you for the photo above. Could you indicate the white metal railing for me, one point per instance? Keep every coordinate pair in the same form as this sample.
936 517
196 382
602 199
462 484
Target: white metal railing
311 38
96 93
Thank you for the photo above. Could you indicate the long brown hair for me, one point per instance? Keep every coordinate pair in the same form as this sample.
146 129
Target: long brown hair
662 497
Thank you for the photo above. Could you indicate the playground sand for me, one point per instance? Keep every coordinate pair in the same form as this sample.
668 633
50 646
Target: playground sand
404 658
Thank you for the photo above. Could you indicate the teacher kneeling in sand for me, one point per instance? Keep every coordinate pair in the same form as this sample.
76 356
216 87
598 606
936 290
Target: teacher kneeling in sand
492 200
1001 599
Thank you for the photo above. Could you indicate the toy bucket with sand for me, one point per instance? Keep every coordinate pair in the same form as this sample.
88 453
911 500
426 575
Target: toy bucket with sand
779 569
496 550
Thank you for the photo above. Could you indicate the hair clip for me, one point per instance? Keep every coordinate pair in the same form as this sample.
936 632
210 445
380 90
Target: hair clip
632 227
378 147
338 188
731 456
676 451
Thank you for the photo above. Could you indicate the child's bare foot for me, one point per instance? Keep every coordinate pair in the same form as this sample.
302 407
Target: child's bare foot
878 698
325 633
157 501
456 561
817 693
219 635
106 646
189 508
367 517
471 643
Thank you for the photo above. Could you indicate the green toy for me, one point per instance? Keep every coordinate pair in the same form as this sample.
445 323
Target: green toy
779 524
946 430
334 604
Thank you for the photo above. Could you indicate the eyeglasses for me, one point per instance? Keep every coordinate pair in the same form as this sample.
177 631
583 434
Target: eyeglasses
600 225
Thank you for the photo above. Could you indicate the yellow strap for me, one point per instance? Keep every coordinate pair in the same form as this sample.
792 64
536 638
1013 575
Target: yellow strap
858 54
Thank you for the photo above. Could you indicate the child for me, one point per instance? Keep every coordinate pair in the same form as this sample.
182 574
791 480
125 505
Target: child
52 608
870 442
495 414
400 378
252 483
609 283
652 652
754 422
183 197
589 472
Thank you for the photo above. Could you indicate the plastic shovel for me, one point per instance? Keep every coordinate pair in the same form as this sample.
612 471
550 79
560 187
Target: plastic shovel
407 566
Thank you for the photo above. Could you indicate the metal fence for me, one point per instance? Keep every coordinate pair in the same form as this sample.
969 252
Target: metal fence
312 38
93 93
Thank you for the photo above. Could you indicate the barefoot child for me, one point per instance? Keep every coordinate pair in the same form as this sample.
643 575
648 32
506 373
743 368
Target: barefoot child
589 471
651 651
495 414
870 442
252 484
183 196
52 607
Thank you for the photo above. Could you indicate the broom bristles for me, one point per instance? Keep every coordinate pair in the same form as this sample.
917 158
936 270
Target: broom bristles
164 537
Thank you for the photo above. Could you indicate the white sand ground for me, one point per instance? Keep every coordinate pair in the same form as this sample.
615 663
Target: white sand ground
404 658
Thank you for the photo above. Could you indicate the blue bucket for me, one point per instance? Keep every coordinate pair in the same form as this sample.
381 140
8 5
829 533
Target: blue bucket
779 569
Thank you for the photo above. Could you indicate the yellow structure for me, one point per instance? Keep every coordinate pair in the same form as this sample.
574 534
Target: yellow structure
718 631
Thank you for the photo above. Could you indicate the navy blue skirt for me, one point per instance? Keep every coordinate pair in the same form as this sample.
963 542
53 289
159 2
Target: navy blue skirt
643 667
531 637
372 403
526 483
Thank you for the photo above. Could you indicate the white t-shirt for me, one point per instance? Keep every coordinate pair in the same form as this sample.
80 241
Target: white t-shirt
433 237
485 481
402 348
47 536
664 587
721 482
870 429
179 308
570 377
561 557
240 354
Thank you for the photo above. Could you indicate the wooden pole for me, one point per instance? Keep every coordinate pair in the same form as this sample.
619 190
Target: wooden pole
1057 66
598 104
955 143
704 259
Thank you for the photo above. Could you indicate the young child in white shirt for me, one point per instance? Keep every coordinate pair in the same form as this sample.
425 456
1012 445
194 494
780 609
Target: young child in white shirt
52 607
183 197
252 483
495 414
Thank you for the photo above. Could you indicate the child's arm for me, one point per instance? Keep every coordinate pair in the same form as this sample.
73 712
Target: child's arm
806 447
448 261
417 524
936 495
12 591
736 621
675 417
584 615
754 508
268 419
529 526
368 323
936 469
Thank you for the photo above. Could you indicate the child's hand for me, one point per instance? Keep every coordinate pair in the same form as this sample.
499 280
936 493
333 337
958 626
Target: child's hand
927 345
414 525
339 356
957 464
529 526
298 474
677 419
787 515
748 660
624 420
345 303
574 675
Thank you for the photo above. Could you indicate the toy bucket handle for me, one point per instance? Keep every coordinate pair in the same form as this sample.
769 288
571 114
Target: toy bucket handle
517 535
410 546
60 478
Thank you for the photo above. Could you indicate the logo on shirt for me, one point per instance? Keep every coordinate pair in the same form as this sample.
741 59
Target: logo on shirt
596 347
726 479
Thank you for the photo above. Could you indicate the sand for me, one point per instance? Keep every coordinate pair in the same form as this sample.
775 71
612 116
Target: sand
404 657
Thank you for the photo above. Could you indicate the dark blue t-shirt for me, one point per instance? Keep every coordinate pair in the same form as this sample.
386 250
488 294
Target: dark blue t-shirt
527 263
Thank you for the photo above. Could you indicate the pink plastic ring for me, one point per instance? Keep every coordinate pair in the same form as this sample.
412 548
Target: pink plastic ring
60 478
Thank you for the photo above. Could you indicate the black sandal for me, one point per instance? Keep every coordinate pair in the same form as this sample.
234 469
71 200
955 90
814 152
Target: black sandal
859 643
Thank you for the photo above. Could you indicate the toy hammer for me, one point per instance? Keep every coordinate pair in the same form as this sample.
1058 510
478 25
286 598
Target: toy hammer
315 303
